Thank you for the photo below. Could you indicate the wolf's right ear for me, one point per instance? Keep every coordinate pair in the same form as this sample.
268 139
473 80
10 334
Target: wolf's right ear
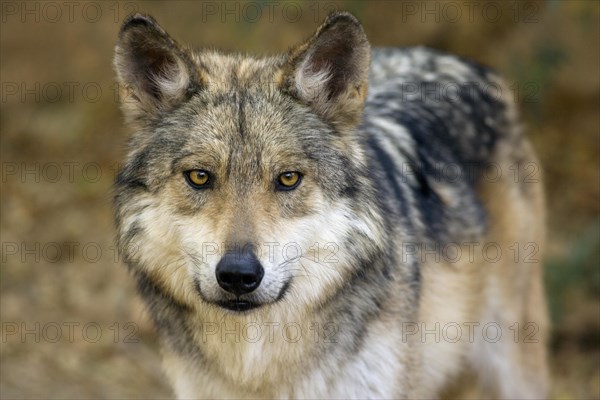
154 72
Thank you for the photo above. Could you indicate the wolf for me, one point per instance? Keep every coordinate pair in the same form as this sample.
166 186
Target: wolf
332 222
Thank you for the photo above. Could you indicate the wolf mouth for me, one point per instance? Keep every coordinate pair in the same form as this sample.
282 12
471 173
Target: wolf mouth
238 305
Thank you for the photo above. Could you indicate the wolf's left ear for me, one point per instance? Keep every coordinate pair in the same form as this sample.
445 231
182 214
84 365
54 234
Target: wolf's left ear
329 72
155 73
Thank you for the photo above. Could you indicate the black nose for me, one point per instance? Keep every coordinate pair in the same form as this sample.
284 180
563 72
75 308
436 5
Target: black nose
239 273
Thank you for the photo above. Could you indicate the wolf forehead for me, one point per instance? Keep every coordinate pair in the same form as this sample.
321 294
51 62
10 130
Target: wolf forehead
246 137
246 126
223 73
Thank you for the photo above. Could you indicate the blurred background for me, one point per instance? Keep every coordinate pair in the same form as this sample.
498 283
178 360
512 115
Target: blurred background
72 326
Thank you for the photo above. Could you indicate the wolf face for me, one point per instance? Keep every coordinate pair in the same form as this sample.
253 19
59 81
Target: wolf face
238 190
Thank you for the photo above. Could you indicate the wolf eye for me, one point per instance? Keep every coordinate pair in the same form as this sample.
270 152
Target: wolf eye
289 180
197 178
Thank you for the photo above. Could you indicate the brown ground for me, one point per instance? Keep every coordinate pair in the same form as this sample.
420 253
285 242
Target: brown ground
550 50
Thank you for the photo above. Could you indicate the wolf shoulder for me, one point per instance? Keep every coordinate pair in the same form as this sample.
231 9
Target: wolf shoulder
444 101
444 127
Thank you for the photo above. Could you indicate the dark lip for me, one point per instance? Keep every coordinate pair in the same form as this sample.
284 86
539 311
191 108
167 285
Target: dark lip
238 305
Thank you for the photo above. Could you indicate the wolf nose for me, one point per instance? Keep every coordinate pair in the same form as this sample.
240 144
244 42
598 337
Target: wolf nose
239 273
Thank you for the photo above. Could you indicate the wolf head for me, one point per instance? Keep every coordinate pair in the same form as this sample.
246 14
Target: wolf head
245 186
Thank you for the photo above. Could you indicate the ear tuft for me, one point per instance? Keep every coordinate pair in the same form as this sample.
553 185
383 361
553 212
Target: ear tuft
154 71
330 71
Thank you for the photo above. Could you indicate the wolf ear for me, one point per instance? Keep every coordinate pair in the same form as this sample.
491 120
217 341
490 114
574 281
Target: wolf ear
329 72
154 72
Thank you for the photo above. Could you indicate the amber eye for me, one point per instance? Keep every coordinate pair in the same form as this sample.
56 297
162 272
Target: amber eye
288 180
197 178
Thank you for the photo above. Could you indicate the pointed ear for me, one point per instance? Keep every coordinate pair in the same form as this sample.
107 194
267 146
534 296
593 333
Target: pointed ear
329 72
154 72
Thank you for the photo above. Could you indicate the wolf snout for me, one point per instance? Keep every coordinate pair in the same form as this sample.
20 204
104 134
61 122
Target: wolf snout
239 273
